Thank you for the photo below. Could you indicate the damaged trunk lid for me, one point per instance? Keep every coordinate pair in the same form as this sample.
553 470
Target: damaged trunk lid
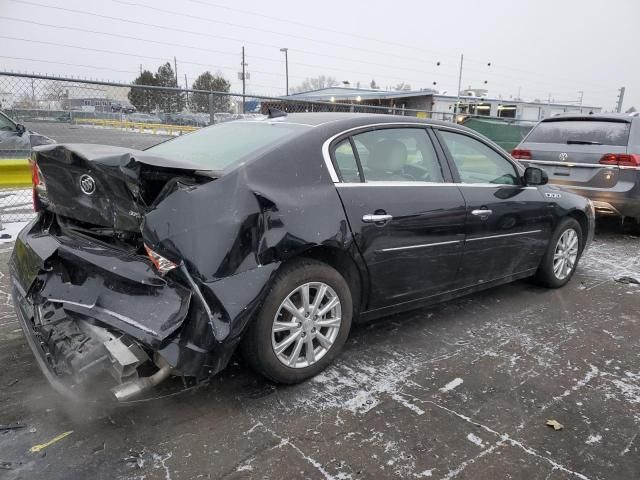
105 186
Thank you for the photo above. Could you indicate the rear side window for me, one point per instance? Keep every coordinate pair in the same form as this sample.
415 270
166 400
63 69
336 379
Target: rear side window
220 146
398 155
346 162
581 132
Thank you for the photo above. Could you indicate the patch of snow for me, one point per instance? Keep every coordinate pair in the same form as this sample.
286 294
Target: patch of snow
12 229
424 473
475 439
593 439
456 382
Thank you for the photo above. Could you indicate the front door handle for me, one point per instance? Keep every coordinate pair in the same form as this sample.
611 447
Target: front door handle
373 218
483 213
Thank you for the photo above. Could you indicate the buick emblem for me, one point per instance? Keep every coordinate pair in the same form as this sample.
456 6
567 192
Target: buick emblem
87 184
563 157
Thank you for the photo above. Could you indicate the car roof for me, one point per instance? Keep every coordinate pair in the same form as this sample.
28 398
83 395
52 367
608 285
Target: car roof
347 118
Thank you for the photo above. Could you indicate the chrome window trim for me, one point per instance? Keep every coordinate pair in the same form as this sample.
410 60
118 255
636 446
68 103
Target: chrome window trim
502 235
421 245
326 154
429 184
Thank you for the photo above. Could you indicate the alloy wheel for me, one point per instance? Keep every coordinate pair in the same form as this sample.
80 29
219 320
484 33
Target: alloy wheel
306 325
565 254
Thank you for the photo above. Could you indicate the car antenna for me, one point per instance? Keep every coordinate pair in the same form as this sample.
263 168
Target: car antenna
275 113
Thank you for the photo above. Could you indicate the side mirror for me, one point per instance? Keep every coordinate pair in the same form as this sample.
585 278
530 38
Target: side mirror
535 176
20 129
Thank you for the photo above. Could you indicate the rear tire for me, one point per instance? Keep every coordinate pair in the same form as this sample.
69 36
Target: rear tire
563 253
314 337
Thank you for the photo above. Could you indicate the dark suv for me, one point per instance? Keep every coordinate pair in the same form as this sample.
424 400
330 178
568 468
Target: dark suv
597 156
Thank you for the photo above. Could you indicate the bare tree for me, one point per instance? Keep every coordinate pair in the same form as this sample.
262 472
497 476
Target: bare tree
316 83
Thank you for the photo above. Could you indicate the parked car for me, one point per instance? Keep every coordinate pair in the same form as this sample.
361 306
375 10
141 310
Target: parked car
271 236
118 107
143 118
16 141
596 156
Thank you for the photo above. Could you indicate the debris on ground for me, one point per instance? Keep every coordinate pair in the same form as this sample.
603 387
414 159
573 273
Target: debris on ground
12 426
42 446
7 465
627 280
555 424
13 382
99 448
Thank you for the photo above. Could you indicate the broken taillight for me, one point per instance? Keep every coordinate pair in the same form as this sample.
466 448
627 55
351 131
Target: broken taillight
37 180
163 265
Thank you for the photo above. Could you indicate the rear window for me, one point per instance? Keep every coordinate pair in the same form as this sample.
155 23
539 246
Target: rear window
220 146
581 131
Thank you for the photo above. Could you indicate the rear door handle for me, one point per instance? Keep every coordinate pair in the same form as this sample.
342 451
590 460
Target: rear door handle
483 213
372 218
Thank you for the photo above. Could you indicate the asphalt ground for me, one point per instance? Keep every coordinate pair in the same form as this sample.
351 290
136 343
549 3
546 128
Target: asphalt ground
69 133
462 390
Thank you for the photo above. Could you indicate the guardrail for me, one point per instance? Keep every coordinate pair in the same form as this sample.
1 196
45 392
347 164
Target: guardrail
14 172
139 126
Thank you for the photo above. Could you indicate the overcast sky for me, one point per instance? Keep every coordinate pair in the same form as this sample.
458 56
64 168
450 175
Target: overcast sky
540 48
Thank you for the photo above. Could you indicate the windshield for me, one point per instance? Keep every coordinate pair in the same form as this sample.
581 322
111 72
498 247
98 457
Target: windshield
581 131
220 146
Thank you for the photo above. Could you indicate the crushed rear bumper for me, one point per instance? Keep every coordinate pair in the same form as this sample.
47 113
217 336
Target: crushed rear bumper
98 318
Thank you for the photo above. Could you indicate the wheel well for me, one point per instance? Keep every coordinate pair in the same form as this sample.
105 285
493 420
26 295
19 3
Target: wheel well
345 265
581 218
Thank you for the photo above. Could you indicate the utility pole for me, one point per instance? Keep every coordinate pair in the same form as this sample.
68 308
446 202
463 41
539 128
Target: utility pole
244 79
620 99
455 110
286 67
581 92
186 86
140 69
175 67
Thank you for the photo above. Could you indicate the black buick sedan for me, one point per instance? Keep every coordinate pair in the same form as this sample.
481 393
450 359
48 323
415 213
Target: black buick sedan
270 236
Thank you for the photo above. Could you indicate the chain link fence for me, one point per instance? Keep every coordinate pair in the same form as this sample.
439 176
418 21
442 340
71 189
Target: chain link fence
68 110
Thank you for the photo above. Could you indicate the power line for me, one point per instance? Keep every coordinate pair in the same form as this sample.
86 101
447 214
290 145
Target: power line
209 35
125 54
68 64
316 27
253 28
290 35
129 37
255 43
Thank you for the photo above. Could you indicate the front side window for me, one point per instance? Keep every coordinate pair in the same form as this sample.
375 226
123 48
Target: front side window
398 155
478 163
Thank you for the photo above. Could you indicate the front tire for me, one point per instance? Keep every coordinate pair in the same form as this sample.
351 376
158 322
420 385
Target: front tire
563 253
302 324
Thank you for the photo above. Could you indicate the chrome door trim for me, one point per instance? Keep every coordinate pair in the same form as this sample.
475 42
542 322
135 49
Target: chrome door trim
429 184
502 235
422 245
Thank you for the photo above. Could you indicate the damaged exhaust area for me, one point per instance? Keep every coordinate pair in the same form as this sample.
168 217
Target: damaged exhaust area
95 325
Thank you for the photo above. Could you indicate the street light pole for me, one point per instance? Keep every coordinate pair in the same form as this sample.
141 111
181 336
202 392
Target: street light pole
286 67
455 110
